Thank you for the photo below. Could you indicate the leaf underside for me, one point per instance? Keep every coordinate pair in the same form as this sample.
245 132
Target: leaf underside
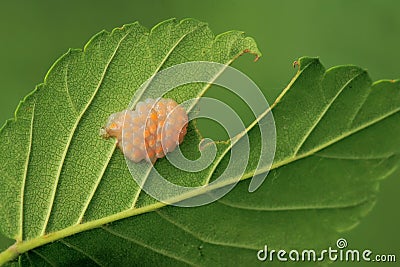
337 136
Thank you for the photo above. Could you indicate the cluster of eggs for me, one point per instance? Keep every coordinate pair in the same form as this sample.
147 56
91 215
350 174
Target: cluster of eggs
154 128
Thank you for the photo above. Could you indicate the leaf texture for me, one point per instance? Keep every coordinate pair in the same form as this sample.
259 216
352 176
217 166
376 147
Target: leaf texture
337 136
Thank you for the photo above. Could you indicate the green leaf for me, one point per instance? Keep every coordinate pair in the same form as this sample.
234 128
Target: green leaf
337 136
56 170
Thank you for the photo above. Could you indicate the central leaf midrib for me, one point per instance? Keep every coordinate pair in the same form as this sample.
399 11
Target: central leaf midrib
39 241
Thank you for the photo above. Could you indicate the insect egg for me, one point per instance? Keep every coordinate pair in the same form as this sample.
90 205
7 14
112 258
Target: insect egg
156 127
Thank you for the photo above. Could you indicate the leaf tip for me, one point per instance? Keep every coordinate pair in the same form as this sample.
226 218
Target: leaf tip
303 62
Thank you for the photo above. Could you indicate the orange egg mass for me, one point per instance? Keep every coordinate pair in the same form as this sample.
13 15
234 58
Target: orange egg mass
154 128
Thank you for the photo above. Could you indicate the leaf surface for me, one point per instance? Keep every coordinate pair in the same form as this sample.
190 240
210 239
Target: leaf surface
337 136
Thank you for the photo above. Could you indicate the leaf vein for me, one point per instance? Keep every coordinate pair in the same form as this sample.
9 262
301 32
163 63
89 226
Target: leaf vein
67 91
29 259
237 138
211 242
353 118
165 58
26 168
81 251
327 144
161 252
324 112
75 127
44 258
341 157
294 208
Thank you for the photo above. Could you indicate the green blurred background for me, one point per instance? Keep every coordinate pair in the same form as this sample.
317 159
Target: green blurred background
364 33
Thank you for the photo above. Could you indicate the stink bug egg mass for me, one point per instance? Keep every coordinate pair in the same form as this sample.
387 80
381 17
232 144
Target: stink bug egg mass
155 128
